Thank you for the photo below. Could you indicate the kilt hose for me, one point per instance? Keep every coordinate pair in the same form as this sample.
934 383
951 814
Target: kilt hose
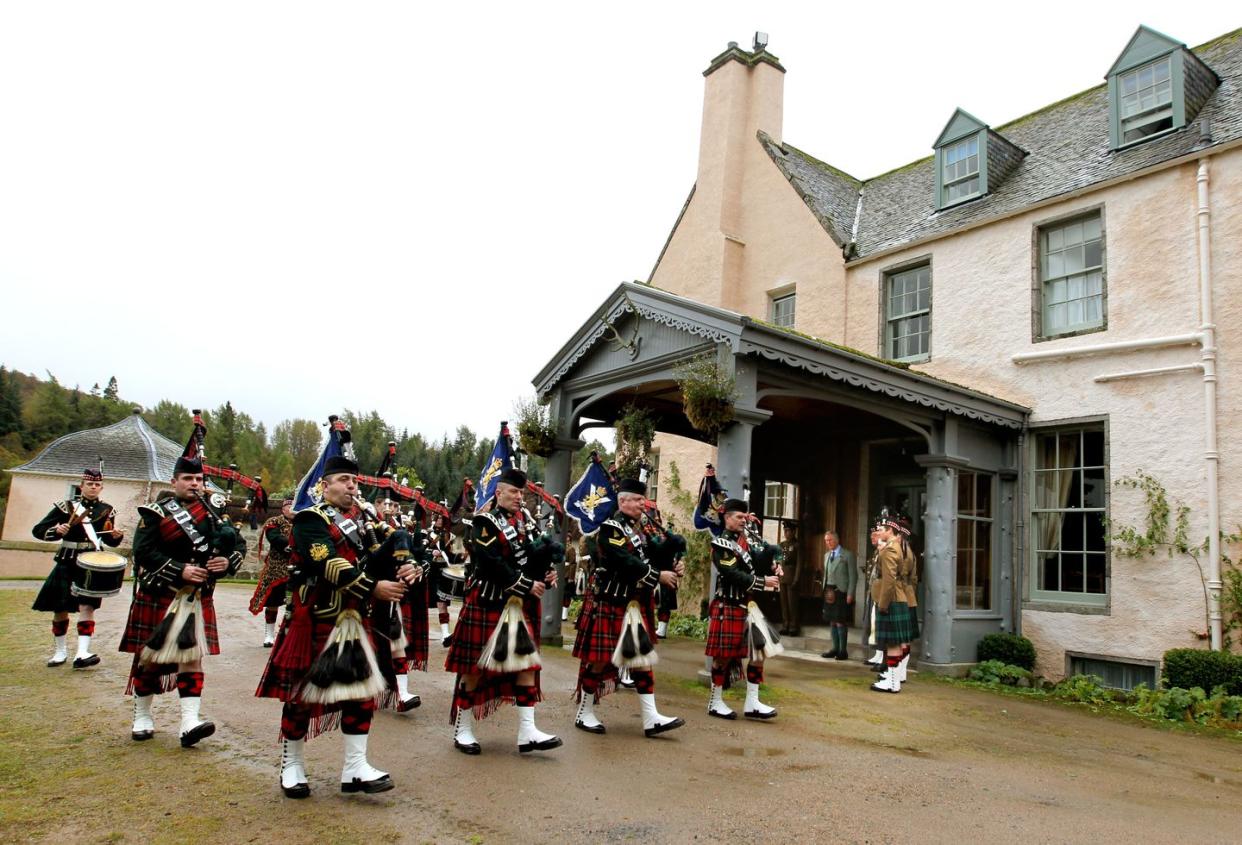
55 596
892 626
145 614
284 683
475 624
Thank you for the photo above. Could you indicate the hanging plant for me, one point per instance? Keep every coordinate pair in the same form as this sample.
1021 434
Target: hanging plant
635 431
707 394
536 434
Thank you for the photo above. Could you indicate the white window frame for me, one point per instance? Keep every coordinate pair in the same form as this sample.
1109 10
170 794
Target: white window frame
1161 106
778 300
1058 270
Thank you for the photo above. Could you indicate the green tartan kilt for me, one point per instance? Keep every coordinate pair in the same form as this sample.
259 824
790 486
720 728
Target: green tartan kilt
915 633
893 626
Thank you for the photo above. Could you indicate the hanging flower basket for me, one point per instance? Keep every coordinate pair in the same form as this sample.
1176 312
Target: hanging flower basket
536 435
708 395
635 433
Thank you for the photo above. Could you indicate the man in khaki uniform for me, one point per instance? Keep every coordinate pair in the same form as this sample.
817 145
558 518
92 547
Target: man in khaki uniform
890 592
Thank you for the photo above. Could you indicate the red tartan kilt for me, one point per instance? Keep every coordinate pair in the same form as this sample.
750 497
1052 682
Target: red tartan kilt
598 634
414 621
726 631
280 682
147 611
647 602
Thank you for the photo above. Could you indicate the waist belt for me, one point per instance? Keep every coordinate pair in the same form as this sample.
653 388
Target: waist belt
76 546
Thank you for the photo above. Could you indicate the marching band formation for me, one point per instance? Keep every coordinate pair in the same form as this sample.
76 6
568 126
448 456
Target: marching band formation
357 581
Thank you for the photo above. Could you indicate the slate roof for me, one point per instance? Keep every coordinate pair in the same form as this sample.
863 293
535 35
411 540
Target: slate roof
130 449
1068 146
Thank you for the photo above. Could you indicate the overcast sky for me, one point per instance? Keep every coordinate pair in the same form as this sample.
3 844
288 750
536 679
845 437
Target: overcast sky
303 207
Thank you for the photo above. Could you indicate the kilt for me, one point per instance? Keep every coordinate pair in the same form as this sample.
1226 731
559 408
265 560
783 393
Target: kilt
598 633
726 631
414 620
915 633
271 594
838 611
55 595
147 611
892 626
281 682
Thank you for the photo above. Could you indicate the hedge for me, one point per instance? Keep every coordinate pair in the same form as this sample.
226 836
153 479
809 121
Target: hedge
1010 649
1192 667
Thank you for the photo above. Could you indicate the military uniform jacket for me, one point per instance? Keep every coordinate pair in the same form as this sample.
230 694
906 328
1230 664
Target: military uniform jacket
621 565
499 553
889 585
909 574
162 548
327 546
97 513
735 568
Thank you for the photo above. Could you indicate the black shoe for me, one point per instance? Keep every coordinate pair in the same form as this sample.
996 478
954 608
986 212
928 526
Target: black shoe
300 790
141 736
759 714
829 655
543 745
468 748
409 704
269 644
447 641
730 716
55 662
83 662
676 722
370 787
784 632
843 656
794 632
199 731
596 729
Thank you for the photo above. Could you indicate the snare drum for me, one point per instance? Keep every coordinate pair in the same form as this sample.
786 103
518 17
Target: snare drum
98 574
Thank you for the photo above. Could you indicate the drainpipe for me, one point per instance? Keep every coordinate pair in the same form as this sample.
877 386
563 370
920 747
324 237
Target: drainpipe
1211 455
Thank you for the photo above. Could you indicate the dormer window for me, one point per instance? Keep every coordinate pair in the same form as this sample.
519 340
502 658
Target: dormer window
960 170
971 160
1146 100
1155 86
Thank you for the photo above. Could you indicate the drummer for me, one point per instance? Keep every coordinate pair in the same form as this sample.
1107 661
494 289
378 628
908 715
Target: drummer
72 523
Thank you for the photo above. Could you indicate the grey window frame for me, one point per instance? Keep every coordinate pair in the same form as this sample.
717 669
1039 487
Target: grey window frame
1071 656
1038 332
993 524
1035 598
886 276
1177 80
777 297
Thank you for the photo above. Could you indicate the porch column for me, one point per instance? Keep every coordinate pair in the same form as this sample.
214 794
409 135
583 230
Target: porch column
557 481
940 557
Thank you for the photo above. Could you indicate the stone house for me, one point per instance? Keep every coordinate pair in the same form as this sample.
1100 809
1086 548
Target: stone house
990 338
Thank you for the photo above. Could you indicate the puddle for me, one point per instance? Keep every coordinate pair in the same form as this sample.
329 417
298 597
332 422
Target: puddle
755 752
909 749
1216 779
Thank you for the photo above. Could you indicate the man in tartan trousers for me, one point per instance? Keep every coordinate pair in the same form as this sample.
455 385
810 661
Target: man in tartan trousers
623 576
500 554
166 563
727 632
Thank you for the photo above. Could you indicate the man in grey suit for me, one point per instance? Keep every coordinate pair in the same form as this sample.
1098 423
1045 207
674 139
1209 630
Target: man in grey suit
840 580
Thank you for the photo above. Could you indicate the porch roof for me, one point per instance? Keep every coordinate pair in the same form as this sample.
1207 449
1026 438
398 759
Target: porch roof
748 336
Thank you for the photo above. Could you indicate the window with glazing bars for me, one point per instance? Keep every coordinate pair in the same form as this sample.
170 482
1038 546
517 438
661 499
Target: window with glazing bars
907 314
1069 512
1071 260
974 541
1146 100
783 310
960 170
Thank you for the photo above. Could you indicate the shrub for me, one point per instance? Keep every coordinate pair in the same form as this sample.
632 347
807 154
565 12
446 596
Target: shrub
1189 705
1191 667
575 609
1010 649
684 625
995 672
1084 688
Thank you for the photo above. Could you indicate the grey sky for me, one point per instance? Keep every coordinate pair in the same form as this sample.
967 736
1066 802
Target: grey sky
347 186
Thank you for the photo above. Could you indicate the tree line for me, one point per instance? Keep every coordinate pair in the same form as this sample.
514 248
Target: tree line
34 412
